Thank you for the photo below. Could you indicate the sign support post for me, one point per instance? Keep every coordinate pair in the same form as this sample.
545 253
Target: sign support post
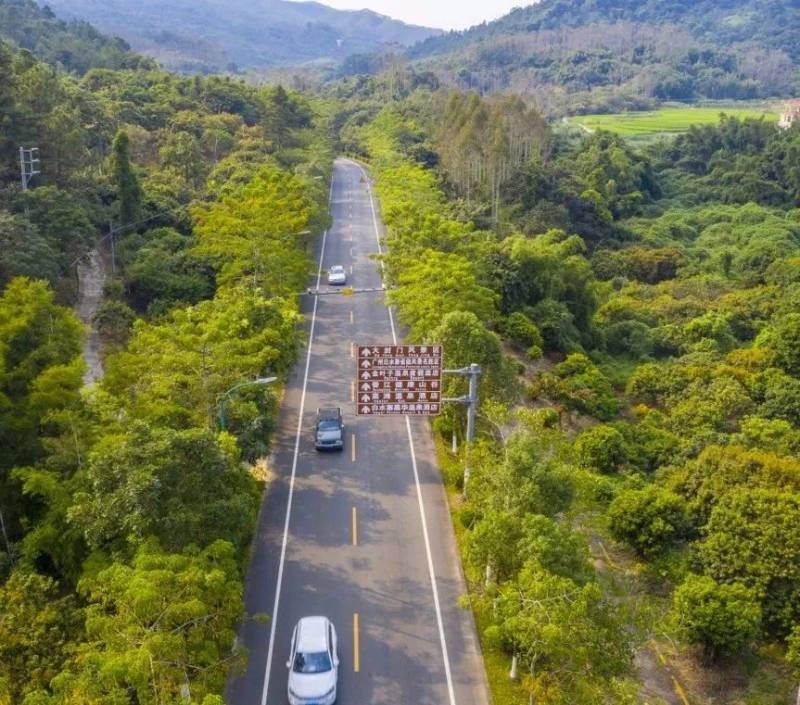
471 402
406 380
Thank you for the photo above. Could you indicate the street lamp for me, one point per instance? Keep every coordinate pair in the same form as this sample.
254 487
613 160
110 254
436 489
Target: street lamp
223 400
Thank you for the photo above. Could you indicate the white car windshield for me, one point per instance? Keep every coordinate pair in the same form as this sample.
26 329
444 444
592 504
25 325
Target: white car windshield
328 425
337 270
318 662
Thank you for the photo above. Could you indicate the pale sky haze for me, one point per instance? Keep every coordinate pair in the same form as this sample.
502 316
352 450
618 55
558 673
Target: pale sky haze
444 14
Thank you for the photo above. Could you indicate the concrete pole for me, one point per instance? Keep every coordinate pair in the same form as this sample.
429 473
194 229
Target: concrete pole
113 249
5 535
474 372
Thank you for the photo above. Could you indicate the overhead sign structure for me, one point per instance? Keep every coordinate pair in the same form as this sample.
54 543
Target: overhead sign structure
399 380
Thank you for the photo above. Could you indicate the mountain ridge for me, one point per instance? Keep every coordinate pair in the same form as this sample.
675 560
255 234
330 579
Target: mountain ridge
211 35
583 56
705 19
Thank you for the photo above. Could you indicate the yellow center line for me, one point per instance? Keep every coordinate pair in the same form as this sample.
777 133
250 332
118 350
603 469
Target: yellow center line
680 691
658 653
356 657
605 554
355 527
352 390
353 447
351 269
351 317
352 349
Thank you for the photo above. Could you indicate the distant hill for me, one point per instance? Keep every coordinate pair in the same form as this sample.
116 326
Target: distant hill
211 35
600 49
770 23
75 45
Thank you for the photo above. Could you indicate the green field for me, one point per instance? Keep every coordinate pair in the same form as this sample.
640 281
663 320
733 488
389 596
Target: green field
666 121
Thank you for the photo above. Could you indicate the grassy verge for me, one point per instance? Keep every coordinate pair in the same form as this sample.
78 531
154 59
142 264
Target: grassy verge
504 691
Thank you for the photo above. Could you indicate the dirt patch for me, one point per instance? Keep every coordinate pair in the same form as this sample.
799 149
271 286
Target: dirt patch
91 277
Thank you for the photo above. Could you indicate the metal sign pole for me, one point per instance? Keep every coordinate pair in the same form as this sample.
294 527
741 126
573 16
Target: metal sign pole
471 402
406 380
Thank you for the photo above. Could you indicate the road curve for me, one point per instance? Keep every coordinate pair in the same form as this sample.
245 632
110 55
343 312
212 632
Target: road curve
363 537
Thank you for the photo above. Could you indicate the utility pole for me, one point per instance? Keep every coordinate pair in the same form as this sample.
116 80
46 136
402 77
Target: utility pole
5 535
471 402
28 167
99 128
28 161
113 251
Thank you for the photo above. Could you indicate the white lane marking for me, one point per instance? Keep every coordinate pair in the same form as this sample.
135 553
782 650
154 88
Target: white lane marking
378 240
274 620
423 518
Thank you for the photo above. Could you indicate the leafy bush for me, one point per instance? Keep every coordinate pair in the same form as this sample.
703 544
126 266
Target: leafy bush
631 338
534 353
601 448
580 385
721 617
710 327
651 519
753 537
114 320
521 330
786 341
557 326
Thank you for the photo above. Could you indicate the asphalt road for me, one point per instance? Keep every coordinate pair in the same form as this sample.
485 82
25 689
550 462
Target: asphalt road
363 537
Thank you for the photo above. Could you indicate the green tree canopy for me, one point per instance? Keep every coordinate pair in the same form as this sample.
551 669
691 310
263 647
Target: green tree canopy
163 623
129 191
723 618
177 486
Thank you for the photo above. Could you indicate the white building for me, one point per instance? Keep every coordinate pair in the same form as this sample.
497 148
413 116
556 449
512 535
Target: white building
790 114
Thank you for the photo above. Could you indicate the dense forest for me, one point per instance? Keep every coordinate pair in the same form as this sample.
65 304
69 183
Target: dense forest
772 23
219 36
126 514
634 314
636 472
75 46
593 55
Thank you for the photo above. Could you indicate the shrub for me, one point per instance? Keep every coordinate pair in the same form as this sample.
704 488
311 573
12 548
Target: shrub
519 329
534 353
115 321
785 339
721 617
580 385
557 326
631 338
601 448
712 330
651 519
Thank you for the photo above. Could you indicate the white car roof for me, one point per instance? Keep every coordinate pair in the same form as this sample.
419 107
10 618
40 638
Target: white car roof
312 634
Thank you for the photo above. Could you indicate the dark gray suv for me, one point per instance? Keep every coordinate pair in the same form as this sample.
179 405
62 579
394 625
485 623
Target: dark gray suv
329 429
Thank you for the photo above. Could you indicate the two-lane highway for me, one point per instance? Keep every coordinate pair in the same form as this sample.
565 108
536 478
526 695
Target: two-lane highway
362 537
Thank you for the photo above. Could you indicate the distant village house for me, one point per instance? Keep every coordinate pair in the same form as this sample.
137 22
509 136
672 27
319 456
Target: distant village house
791 114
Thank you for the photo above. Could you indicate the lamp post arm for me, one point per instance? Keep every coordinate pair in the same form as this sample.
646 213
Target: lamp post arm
224 398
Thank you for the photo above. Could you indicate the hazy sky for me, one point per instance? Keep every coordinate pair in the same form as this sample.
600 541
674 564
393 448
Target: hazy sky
445 14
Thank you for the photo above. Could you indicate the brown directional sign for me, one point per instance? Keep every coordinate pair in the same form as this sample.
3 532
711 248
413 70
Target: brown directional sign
399 380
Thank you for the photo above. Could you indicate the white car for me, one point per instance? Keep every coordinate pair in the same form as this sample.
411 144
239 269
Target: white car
336 275
314 663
